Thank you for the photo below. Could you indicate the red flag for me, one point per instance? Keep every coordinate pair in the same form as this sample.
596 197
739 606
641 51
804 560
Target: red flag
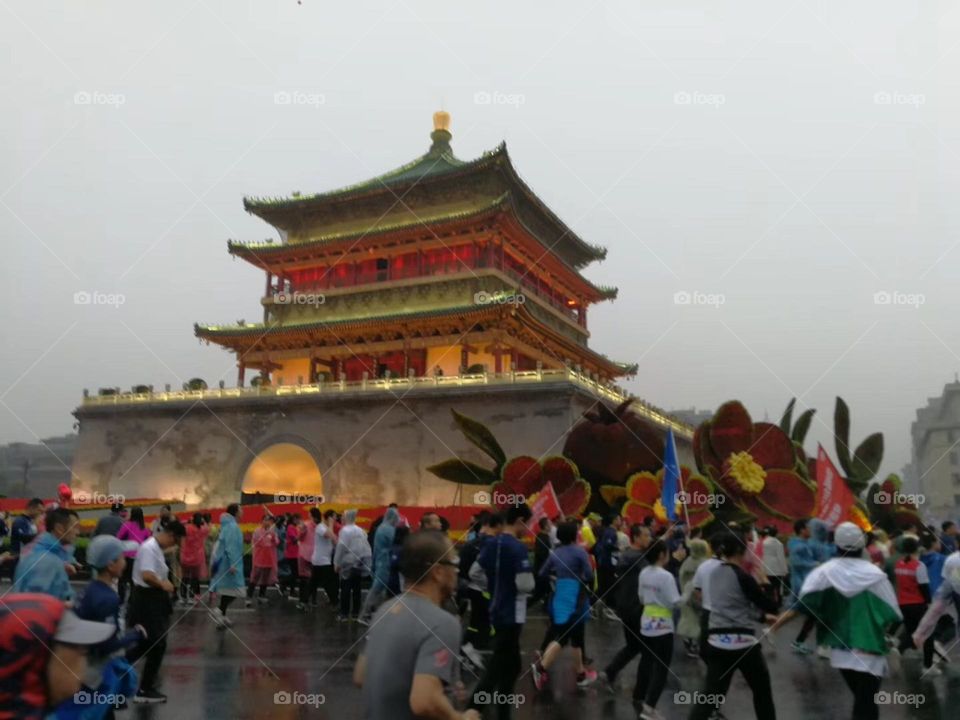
546 505
834 498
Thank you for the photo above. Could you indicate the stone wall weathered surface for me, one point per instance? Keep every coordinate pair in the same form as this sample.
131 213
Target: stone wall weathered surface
369 447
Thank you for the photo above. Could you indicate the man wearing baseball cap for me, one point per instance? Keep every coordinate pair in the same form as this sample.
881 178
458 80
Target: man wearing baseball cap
855 604
43 653
111 524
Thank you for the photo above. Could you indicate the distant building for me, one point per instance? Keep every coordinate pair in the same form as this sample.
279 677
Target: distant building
934 469
692 416
36 469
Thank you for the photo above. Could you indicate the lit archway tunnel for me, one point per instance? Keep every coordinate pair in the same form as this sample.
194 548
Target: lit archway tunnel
283 469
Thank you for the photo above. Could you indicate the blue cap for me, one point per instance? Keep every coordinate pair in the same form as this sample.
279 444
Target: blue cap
103 550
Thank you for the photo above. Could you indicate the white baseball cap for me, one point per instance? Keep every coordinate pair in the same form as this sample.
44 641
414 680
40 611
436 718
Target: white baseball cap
74 631
848 536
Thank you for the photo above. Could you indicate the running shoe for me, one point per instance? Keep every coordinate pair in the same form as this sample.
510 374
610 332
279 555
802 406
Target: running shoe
145 695
301 606
540 677
823 652
248 603
800 648
586 678
364 621
931 672
649 713
605 681
473 655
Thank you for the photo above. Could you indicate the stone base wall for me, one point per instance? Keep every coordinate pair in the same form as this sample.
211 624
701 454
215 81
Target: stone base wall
371 448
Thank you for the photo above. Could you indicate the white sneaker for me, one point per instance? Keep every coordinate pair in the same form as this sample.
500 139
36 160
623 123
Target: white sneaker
473 655
823 652
649 713
219 618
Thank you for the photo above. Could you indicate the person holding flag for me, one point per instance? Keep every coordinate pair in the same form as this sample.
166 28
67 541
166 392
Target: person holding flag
854 603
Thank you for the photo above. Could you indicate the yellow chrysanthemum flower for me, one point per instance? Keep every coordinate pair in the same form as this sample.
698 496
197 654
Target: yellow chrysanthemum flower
747 472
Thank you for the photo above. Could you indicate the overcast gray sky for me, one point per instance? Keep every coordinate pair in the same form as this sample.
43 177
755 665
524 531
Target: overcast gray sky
788 159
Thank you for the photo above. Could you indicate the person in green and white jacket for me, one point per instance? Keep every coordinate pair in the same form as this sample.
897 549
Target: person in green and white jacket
855 604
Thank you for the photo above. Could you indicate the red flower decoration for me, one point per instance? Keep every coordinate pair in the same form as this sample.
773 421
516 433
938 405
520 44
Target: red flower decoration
754 464
645 492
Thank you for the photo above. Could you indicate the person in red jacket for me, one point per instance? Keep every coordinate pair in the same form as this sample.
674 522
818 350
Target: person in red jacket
913 597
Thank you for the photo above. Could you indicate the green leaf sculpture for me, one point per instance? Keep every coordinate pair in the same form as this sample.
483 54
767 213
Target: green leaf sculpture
478 433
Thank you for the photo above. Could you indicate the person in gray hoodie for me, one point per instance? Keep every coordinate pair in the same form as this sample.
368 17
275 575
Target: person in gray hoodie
738 611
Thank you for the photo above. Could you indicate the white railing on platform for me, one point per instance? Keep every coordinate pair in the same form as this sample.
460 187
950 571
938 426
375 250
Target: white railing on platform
392 384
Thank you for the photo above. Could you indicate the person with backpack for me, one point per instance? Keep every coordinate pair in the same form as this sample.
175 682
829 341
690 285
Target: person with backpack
569 605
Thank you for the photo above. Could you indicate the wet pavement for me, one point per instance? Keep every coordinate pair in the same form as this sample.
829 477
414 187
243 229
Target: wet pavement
280 663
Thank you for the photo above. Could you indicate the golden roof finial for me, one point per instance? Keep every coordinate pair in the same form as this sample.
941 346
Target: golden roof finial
441 120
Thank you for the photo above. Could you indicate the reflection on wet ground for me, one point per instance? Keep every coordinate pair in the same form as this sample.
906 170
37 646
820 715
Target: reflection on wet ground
280 663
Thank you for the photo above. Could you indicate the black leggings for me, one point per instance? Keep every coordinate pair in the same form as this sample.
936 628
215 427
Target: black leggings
350 594
864 687
478 627
324 576
809 623
720 667
655 656
912 614
503 669
631 633
225 601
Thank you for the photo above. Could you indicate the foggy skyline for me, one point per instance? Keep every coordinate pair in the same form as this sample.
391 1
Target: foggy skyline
788 161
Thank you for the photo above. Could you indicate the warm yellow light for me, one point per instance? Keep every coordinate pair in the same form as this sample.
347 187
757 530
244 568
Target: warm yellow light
283 468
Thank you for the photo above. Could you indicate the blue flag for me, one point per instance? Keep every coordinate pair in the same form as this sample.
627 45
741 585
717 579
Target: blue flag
671 477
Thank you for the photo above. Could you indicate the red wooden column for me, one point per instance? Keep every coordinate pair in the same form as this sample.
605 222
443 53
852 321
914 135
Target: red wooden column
241 371
464 359
497 359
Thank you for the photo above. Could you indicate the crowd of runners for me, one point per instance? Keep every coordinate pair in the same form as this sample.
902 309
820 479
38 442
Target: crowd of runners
445 621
